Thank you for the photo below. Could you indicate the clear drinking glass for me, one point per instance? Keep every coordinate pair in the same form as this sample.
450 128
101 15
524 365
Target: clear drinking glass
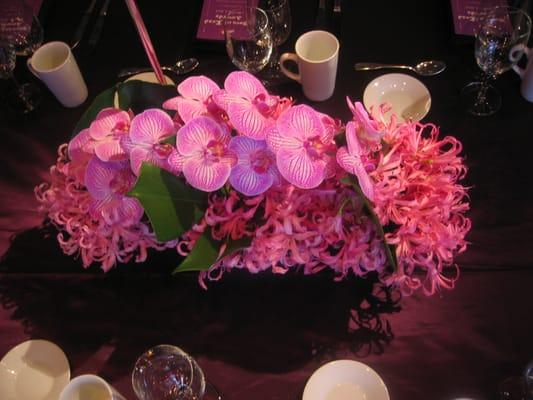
279 22
22 98
502 28
20 27
249 46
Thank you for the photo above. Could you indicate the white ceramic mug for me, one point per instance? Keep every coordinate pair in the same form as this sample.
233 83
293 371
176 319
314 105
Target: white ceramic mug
89 387
317 53
526 88
55 65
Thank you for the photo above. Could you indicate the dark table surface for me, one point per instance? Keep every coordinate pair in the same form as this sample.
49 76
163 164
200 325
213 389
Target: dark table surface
261 336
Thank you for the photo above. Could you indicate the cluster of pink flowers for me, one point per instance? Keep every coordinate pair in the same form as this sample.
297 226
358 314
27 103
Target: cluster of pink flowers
282 171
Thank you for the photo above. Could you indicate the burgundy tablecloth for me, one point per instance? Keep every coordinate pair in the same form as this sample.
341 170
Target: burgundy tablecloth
261 336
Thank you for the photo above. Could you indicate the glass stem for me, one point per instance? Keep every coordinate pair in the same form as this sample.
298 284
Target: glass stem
481 99
274 58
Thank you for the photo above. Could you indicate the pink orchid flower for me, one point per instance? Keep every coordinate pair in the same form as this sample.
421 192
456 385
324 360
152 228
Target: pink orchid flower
107 183
203 154
251 110
195 99
106 130
367 128
302 146
350 160
256 170
143 143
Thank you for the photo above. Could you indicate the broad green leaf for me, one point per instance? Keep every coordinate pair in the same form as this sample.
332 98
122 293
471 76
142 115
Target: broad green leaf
171 205
103 100
139 96
202 256
389 249
205 252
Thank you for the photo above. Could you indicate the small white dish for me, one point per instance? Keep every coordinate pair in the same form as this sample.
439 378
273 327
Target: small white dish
345 380
145 77
408 97
33 370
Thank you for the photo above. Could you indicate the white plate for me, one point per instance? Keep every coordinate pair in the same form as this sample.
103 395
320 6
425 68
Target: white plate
145 77
408 97
33 370
345 380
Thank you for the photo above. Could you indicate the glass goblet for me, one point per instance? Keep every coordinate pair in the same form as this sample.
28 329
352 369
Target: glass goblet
500 30
22 98
166 372
249 46
20 27
279 22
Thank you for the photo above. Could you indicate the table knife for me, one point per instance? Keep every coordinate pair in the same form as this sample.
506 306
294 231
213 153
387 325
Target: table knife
99 25
78 35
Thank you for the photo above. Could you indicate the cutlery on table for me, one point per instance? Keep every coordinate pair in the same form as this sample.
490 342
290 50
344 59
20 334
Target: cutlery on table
78 35
424 68
181 67
99 24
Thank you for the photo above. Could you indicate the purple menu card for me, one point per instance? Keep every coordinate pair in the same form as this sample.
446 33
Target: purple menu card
468 13
216 13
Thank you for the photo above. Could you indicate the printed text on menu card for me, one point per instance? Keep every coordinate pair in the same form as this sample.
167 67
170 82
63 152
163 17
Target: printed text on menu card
217 12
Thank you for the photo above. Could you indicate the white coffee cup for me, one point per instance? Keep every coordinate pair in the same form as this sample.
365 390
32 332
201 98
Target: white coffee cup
317 53
90 387
55 65
526 87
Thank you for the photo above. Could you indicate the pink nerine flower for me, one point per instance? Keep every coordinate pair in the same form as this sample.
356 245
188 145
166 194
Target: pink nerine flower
147 131
256 170
108 183
107 130
350 160
302 146
250 108
196 98
203 154
366 128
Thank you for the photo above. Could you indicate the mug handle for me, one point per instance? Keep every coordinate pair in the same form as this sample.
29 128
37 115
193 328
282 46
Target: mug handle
32 70
516 54
285 57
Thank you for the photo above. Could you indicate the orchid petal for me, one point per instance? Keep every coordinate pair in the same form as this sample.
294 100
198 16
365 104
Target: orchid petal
370 128
299 169
243 84
197 87
172 104
354 145
354 166
194 136
151 126
80 144
131 210
247 119
223 99
245 180
110 150
242 146
98 176
137 156
175 162
206 175
106 121
300 122
187 108
276 141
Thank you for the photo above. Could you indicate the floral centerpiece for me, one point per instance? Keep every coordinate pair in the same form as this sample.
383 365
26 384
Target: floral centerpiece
236 177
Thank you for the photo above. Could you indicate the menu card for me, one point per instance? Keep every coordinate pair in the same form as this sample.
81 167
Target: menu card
468 13
215 13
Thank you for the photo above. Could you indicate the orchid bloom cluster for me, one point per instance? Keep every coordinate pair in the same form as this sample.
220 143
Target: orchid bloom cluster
282 172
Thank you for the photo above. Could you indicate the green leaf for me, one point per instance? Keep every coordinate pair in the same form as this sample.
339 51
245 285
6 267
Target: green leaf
389 249
202 256
139 96
171 205
205 252
103 100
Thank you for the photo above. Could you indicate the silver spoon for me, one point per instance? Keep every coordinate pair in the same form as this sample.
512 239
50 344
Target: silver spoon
182 67
424 68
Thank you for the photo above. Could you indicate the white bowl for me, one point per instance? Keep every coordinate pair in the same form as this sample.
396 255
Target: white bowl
408 97
345 380
33 370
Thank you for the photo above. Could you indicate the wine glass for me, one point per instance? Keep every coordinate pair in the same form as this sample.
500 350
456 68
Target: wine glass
249 45
23 98
279 22
502 28
166 372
